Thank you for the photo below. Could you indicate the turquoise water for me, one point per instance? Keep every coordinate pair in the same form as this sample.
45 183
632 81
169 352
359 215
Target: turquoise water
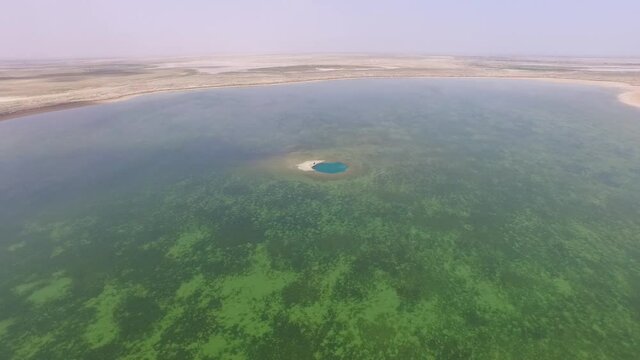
331 167
479 219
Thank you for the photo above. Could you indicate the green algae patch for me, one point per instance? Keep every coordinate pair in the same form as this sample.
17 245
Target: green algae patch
147 348
104 328
218 347
16 246
183 246
563 286
251 299
54 290
27 288
490 297
4 326
40 292
190 287
383 302
31 345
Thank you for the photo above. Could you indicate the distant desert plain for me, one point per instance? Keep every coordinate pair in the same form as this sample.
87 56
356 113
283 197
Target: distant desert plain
28 87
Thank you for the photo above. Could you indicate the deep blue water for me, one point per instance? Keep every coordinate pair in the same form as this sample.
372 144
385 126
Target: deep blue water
331 167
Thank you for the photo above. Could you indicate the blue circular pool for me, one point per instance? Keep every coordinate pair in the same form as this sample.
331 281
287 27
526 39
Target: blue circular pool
330 167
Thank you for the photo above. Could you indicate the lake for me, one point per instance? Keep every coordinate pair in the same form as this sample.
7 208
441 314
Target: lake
478 219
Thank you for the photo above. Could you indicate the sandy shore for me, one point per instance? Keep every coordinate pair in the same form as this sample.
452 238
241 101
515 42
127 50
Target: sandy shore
631 97
28 88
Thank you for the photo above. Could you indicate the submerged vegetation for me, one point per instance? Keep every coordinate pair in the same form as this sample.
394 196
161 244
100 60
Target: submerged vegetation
492 220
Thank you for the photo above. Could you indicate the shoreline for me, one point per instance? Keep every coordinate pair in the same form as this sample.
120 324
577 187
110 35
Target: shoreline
629 95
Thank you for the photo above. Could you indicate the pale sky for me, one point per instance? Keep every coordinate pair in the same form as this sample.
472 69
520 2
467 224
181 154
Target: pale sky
34 29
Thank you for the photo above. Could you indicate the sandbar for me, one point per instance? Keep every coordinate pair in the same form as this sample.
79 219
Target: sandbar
631 98
308 165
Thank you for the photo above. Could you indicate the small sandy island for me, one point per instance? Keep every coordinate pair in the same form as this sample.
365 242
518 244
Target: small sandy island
308 165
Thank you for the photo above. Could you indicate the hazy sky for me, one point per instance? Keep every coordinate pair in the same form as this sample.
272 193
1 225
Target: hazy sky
97 28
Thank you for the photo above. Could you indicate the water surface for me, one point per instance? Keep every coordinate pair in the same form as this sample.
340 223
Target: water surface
330 167
487 219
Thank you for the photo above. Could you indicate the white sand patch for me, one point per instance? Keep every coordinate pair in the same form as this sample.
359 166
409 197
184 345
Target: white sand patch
308 165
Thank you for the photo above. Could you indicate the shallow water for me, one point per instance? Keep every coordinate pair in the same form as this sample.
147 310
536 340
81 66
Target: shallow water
501 220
